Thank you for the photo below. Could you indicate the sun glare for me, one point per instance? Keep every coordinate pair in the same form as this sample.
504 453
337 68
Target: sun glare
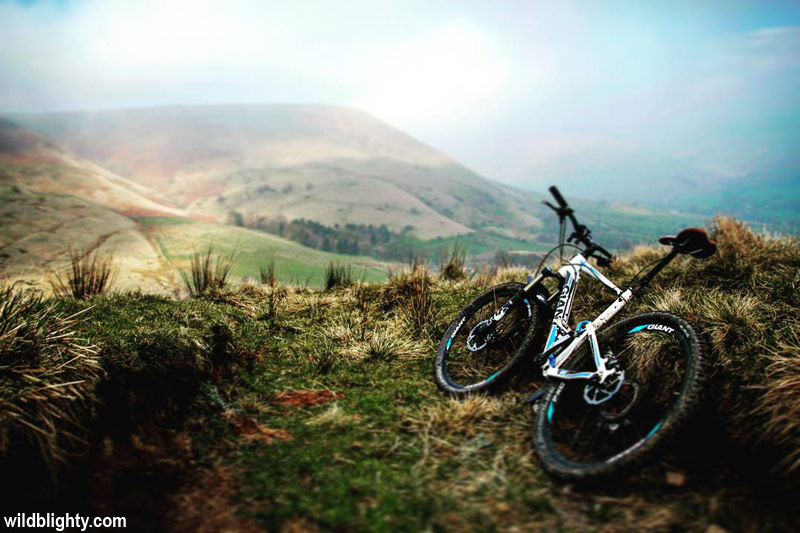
440 74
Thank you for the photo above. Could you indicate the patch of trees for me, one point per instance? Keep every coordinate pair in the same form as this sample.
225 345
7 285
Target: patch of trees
352 239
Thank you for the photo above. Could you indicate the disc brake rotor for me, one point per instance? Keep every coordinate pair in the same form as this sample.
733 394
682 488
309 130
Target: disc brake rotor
596 393
482 334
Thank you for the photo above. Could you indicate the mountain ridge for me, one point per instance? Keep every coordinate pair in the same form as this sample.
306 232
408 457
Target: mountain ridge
194 154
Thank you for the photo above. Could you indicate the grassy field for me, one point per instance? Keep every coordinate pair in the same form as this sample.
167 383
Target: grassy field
39 228
292 409
178 239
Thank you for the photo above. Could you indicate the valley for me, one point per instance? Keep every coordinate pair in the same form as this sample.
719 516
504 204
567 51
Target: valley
351 189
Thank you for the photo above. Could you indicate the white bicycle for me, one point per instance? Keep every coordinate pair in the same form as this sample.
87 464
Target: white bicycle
615 392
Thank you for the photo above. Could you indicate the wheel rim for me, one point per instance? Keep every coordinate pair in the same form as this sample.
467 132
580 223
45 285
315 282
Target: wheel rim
477 353
657 374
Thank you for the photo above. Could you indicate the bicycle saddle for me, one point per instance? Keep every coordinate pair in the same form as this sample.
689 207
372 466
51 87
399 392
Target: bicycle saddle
692 241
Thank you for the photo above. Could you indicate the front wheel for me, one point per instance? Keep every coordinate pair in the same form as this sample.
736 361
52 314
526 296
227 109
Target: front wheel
586 430
484 343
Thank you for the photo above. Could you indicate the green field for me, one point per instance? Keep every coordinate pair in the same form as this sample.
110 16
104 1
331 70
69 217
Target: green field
178 239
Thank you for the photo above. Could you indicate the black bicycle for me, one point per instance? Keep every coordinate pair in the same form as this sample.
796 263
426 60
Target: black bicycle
615 392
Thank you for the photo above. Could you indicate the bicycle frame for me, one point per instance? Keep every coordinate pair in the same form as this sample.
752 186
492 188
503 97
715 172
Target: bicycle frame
558 347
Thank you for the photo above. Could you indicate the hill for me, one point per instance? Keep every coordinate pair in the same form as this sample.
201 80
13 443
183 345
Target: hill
289 408
769 195
53 200
329 164
35 163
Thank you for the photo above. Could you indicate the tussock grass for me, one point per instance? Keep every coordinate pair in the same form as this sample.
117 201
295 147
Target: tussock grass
333 416
468 417
506 274
338 275
342 340
778 403
391 344
267 274
47 377
453 267
208 271
89 274
412 292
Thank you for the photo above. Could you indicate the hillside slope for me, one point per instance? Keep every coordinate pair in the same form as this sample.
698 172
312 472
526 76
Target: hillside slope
32 162
330 164
54 201
39 228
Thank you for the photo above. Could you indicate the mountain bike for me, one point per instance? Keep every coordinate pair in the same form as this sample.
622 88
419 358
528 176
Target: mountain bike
615 391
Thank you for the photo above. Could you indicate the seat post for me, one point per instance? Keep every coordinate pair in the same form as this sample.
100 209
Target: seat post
647 278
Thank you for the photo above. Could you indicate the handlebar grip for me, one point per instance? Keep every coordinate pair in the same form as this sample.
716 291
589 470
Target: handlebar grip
603 251
557 195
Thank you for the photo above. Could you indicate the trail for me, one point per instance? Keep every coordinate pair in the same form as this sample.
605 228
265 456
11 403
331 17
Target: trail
166 268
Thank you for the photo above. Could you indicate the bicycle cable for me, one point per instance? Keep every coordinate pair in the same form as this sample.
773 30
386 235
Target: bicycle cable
648 265
561 255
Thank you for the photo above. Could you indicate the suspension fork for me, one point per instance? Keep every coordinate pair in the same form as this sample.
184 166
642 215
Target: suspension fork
521 295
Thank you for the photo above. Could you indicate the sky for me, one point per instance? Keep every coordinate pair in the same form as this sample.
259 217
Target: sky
716 83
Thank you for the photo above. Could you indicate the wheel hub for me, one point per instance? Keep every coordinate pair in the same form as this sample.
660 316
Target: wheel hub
623 402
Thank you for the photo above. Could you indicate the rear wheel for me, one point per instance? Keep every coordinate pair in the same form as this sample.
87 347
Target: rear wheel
478 351
585 430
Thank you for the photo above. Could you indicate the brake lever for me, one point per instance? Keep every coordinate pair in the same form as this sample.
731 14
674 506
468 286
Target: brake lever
562 212
551 206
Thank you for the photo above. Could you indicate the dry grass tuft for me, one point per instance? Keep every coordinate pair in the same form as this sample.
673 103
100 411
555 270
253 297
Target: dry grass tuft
412 292
338 275
391 344
735 320
453 268
208 271
334 416
467 417
267 274
89 274
511 273
779 402
47 377
485 276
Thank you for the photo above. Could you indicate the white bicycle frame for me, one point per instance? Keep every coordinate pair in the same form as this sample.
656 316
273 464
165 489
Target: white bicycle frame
561 341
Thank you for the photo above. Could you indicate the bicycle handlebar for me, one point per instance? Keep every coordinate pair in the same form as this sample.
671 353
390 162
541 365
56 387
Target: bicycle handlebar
557 195
581 233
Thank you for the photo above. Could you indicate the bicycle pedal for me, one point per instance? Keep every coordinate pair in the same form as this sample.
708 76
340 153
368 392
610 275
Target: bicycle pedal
535 396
